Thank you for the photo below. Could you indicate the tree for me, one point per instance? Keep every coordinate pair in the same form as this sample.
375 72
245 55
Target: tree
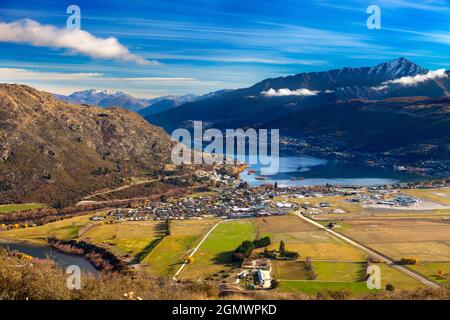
168 223
274 284
282 248
441 274
238 257
190 260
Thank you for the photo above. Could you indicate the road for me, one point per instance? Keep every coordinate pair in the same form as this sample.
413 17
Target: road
196 248
118 188
86 200
373 253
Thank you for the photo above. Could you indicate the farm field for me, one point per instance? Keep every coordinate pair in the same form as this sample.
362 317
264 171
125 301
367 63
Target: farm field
306 239
215 253
126 239
399 280
347 277
167 256
315 287
339 271
425 240
65 229
290 270
6 208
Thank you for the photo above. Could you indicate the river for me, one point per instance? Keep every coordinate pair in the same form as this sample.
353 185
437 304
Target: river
43 252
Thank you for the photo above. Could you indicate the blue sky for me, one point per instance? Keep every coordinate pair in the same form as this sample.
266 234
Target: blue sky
198 46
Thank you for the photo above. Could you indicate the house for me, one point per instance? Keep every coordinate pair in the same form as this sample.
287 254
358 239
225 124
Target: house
263 278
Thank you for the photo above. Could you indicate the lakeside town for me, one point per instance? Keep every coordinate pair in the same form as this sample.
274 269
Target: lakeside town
234 199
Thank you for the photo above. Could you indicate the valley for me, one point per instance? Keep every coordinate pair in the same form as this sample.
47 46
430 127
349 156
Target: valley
362 185
145 240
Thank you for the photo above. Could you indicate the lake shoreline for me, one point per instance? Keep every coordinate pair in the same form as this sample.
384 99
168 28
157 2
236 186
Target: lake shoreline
307 170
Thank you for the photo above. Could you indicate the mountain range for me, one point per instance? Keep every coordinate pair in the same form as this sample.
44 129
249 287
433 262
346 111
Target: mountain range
275 98
145 107
395 109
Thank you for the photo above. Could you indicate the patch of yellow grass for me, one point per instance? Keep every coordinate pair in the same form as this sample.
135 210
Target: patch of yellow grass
65 229
126 238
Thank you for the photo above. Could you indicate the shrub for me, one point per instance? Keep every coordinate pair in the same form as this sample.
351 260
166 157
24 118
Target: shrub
4 186
310 268
390 287
408 261
291 255
274 284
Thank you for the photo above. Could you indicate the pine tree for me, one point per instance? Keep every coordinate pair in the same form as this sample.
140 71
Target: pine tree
282 248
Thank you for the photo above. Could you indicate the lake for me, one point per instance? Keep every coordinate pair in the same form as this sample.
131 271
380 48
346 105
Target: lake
304 170
44 252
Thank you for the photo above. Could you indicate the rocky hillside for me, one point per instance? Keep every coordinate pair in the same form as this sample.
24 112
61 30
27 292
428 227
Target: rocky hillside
52 151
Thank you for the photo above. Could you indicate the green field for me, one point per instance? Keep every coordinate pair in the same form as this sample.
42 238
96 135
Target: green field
6 208
314 287
339 271
337 280
215 253
431 269
398 279
169 254
64 229
126 239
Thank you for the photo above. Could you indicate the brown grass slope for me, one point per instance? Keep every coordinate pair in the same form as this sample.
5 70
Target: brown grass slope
50 151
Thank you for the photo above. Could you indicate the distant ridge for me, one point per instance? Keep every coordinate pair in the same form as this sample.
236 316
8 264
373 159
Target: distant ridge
276 97
145 107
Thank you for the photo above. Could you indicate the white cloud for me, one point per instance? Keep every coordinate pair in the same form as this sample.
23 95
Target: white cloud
413 80
159 79
79 41
14 74
287 92
380 88
17 74
68 82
